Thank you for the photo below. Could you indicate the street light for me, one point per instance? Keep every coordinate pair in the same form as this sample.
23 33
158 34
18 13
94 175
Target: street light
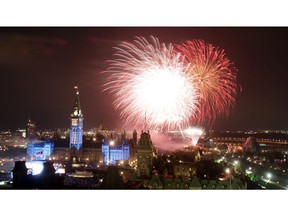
269 175
229 173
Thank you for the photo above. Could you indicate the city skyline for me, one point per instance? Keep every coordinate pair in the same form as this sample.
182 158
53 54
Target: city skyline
128 13
41 65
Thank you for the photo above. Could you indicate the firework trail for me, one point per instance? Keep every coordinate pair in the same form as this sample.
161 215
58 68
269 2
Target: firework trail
215 79
151 85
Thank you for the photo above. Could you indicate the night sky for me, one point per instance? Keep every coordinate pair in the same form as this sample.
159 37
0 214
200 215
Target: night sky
39 67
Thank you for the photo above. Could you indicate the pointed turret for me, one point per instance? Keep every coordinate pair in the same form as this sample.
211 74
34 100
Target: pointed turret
135 137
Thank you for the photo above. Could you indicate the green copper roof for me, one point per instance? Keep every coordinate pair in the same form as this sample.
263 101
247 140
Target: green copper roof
195 183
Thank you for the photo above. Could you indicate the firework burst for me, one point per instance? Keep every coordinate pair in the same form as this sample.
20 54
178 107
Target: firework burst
151 85
215 79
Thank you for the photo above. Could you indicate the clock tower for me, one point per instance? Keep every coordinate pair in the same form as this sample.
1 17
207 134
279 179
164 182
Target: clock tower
76 130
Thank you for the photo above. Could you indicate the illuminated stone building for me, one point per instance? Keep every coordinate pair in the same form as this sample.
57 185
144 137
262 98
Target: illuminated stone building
76 129
40 150
91 151
145 152
91 148
115 151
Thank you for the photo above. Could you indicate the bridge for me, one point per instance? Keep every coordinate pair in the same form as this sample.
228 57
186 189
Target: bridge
241 140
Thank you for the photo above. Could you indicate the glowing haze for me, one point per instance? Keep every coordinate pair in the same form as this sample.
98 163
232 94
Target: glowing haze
194 134
151 85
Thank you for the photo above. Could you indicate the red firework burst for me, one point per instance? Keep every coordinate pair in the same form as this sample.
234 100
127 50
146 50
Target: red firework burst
215 79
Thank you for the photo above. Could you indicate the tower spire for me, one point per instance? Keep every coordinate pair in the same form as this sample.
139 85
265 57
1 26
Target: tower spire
77 108
76 130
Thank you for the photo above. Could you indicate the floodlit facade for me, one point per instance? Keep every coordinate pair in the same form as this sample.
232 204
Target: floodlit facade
113 152
76 130
40 150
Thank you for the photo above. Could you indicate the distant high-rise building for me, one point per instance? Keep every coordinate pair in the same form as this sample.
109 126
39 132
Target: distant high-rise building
76 130
30 129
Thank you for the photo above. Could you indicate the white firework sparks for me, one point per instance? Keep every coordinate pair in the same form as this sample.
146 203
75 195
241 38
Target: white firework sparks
150 85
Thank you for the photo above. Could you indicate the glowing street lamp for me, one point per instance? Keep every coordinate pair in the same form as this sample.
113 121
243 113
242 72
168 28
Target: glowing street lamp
236 165
269 175
229 173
